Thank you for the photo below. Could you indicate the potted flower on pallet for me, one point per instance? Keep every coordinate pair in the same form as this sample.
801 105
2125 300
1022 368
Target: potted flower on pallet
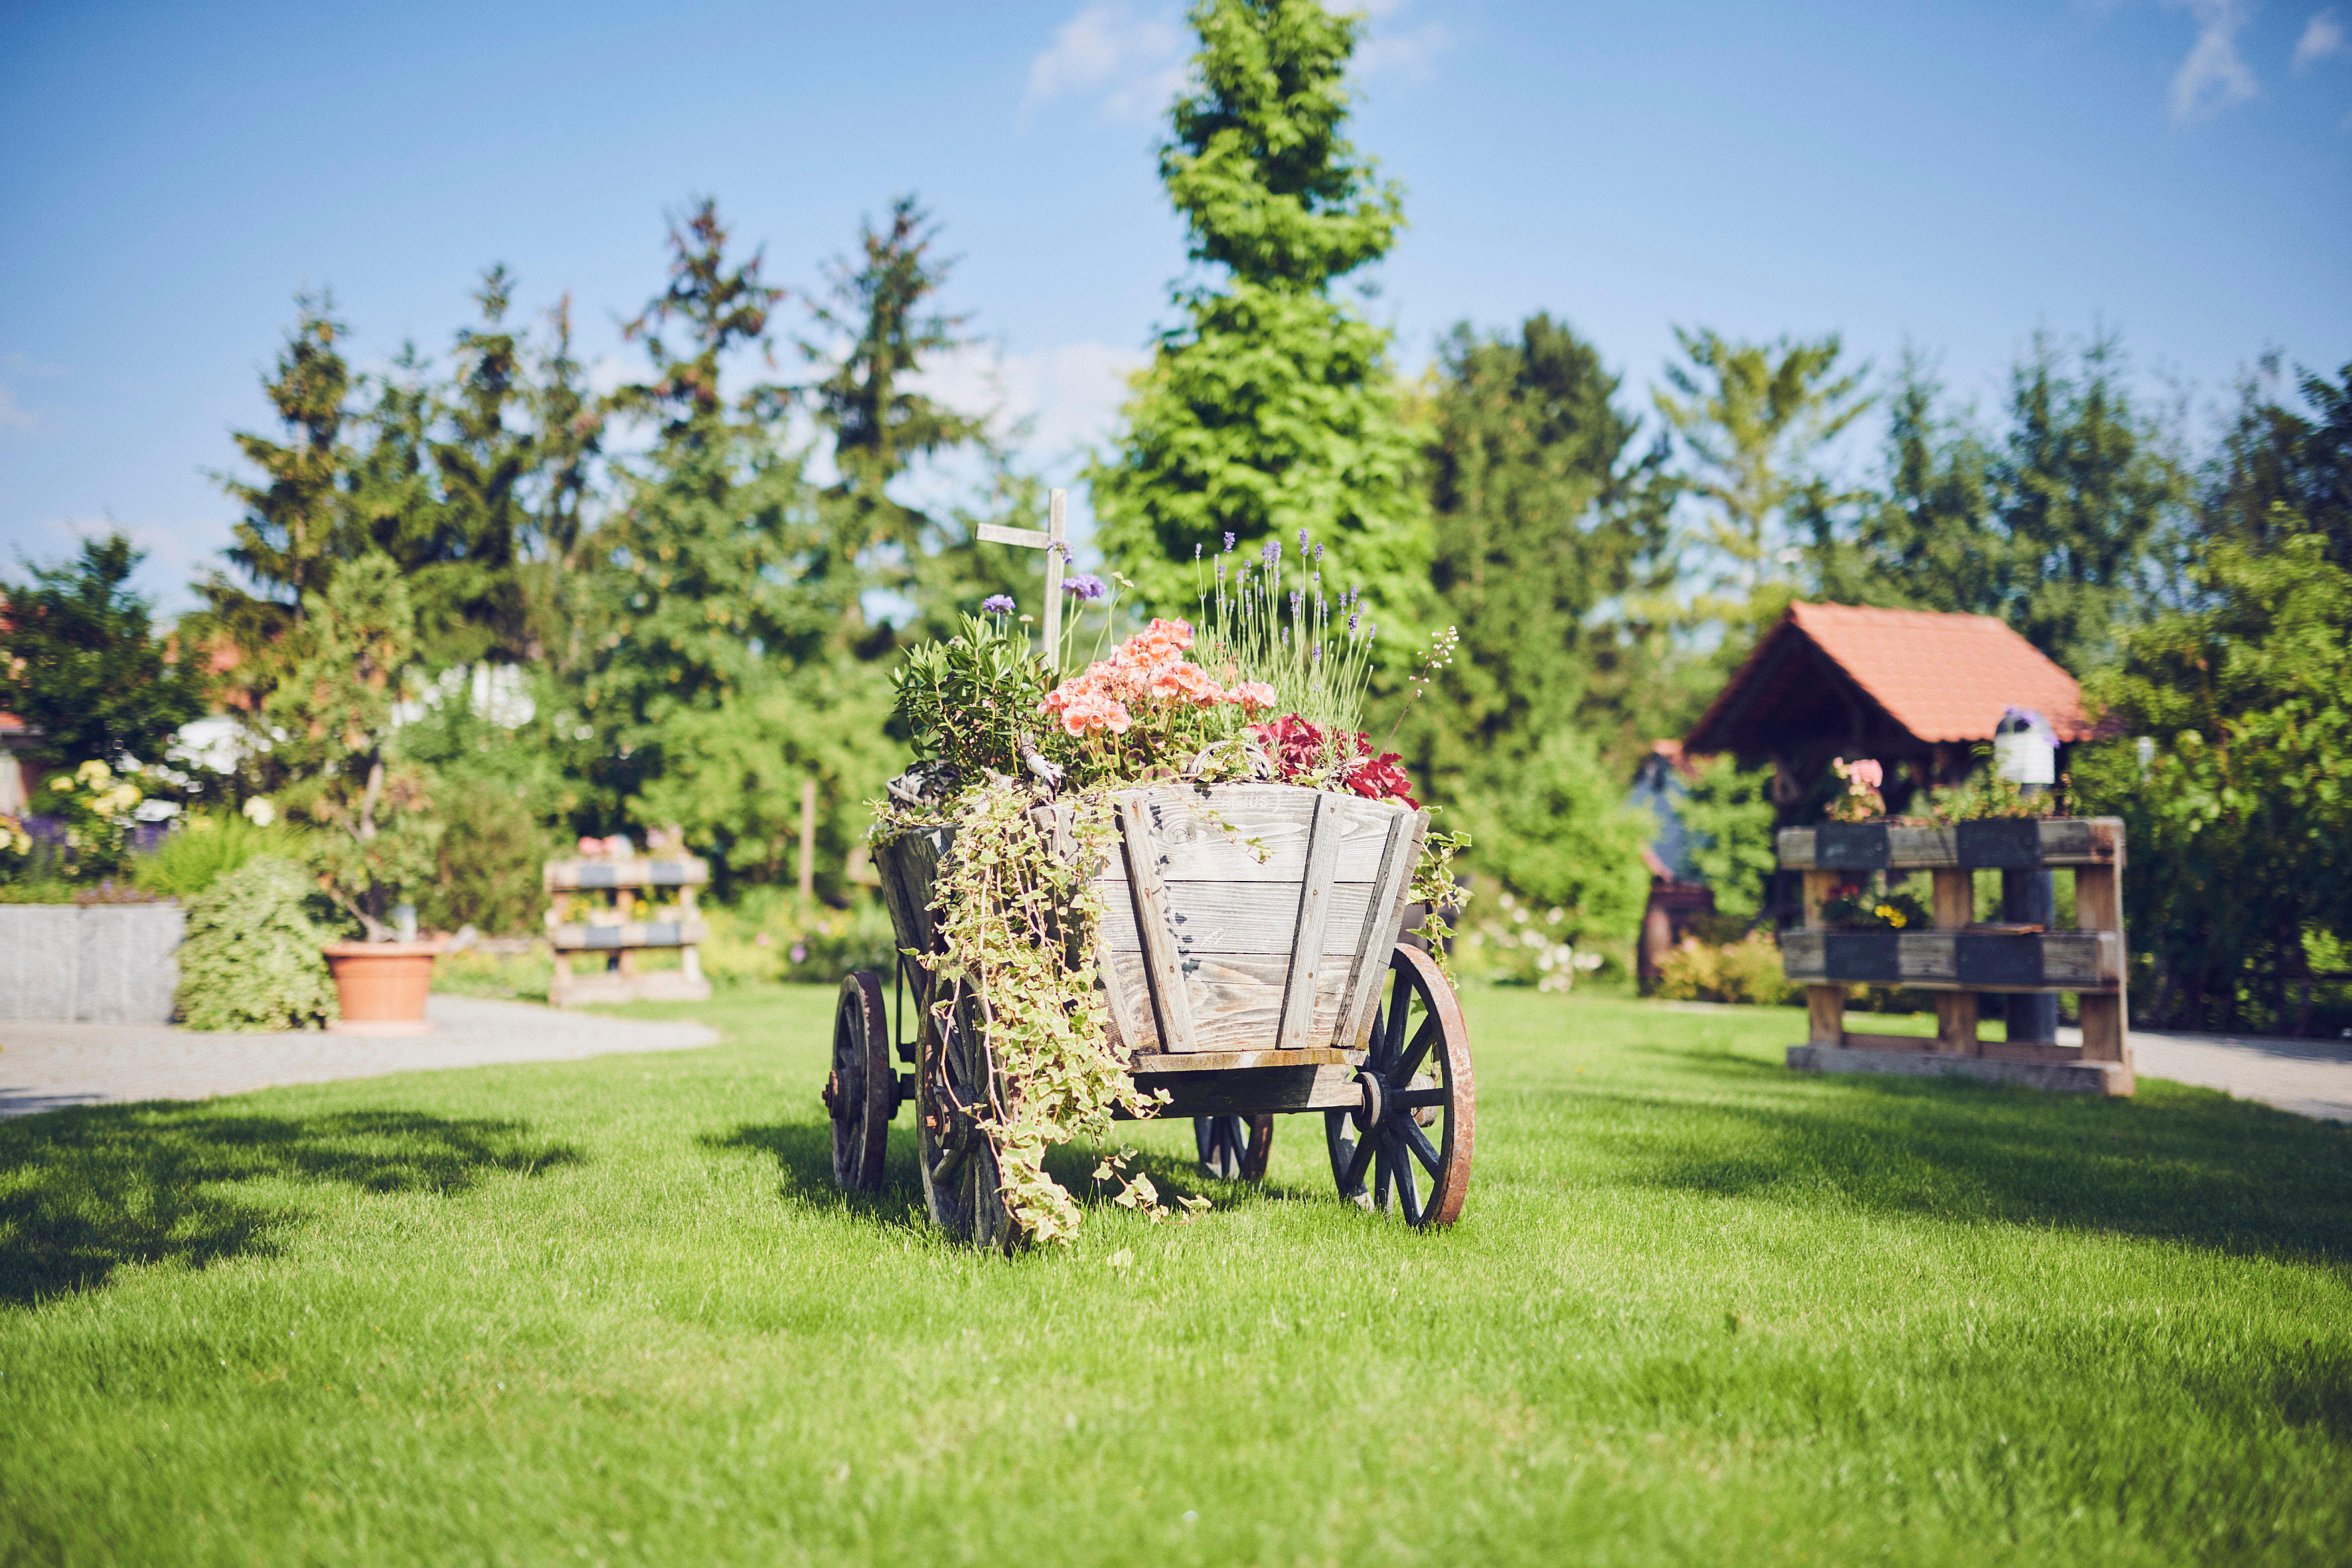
330 721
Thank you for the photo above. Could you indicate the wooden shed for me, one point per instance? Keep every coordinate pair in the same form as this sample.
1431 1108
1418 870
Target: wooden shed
1916 689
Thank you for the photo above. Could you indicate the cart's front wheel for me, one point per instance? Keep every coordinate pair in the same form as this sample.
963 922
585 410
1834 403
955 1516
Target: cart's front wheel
1235 1148
862 1092
1419 1117
955 1078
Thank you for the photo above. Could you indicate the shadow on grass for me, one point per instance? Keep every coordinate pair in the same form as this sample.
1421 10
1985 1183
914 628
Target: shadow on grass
2174 1163
85 1191
804 1155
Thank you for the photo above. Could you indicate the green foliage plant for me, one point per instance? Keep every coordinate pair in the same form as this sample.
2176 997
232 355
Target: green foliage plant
206 845
251 957
329 720
1272 407
83 666
1734 846
1748 971
490 860
1564 836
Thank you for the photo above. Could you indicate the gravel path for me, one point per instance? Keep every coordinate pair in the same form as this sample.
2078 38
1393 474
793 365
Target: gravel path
45 1066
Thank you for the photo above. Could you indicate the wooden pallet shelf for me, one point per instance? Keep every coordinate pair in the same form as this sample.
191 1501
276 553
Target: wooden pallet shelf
593 915
1958 963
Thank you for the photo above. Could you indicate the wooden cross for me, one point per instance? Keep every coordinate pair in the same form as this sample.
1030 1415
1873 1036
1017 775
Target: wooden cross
1054 542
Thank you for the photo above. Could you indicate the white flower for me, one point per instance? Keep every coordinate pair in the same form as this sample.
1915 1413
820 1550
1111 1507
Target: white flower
259 811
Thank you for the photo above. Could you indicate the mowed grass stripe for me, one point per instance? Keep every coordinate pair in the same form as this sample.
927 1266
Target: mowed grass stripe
1698 1310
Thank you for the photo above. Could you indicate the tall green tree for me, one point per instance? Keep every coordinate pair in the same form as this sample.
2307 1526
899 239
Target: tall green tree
1271 409
294 520
82 664
2280 459
876 331
569 433
708 693
484 456
1544 511
1753 419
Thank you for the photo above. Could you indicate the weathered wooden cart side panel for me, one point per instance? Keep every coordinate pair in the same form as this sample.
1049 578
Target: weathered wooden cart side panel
1227 940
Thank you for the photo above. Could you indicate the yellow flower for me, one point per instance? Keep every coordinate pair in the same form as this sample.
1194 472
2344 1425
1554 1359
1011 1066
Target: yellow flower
93 772
1891 915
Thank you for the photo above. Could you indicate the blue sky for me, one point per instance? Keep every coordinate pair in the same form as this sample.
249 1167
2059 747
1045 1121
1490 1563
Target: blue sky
1954 177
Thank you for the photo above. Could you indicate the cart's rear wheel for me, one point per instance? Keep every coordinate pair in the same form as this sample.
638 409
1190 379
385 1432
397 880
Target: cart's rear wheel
1235 1148
1408 1146
955 1078
861 1094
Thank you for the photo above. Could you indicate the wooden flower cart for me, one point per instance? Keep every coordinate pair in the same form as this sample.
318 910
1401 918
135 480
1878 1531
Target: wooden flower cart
1249 960
1959 957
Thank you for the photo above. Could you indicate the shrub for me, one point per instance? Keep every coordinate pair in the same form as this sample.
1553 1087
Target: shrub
1565 838
207 847
762 938
492 856
251 958
1748 971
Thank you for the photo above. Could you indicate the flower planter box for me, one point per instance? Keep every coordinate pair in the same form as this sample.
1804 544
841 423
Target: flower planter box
380 986
1957 960
103 964
591 917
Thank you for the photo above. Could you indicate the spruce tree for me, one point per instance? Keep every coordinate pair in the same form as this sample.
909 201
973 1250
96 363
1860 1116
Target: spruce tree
1270 410
475 606
81 664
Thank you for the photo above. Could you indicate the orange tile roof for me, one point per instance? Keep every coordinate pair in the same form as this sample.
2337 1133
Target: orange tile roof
1944 677
1941 676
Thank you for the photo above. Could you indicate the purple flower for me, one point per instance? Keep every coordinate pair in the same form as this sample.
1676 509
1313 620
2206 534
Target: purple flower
1318 555
1084 585
998 603
1272 553
1351 622
1229 544
1302 542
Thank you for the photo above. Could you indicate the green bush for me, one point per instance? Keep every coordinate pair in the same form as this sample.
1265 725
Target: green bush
1563 838
1747 971
207 847
492 855
251 958
762 938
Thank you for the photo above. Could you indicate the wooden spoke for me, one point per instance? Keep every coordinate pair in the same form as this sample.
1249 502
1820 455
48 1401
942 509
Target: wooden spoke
1234 1148
1425 1084
862 1091
955 1081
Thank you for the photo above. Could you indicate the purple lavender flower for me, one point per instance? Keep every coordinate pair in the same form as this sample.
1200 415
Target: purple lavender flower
998 603
1084 585
1318 555
1302 542
1351 623
1272 553
1229 544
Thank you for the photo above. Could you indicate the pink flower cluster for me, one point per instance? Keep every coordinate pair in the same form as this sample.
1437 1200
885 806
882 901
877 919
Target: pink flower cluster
1148 667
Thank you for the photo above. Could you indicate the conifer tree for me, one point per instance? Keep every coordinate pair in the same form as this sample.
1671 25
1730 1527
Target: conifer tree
475 606
81 664
1270 410
294 519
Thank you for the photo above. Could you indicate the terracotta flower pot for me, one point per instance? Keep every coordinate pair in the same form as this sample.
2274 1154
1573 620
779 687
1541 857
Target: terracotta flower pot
382 985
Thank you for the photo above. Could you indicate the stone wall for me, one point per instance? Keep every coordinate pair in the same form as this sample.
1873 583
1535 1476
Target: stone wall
108 963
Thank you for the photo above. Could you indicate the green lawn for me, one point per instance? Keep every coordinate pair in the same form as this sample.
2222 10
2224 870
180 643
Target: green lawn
1698 1310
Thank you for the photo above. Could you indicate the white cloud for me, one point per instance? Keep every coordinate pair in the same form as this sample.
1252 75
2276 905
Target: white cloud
2323 38
1068 396
2215 75
1131 64
15 416
1407 54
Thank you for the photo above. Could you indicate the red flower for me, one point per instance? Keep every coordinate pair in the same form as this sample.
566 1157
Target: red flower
1297 745
1381 777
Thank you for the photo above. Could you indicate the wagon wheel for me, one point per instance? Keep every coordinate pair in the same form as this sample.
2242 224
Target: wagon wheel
1416 1080
861 1094
1235 1148
954 1076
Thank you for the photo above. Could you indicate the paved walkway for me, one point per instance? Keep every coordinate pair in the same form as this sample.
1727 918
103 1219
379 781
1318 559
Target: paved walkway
2310 1078
45 1066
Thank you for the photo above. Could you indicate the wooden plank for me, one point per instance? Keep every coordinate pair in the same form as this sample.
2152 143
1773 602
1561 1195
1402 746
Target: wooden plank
1854 1042
1946 960
2027 1051
1955 898
1237 917
592 937
1235 1061
1824 1014
573 875
2098 899
1819 887
1026 538
1162 965
2020 843
1955 1021
1257 1091
2106 1028
1236 1000
1383 922
1258 833
1312 910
